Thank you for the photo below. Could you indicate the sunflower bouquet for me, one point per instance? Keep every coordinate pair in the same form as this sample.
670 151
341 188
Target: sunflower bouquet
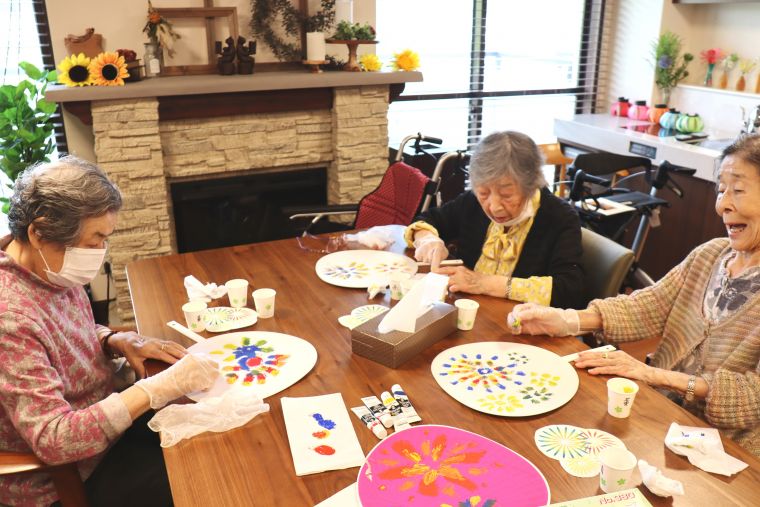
106 69
159 30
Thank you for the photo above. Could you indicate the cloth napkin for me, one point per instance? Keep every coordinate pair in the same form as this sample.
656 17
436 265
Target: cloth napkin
658 483
379 237
703 448
196 291
231 410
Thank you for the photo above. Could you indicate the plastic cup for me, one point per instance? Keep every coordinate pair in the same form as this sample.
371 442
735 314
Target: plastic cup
620 395
194 311
237 292
396 284
617 469
264 301
467 309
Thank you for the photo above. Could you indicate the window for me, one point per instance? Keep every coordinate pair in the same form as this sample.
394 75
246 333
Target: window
506 64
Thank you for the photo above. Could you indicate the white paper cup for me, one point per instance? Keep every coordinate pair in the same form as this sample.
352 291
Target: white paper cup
194 311
620 395
237 292
467 309
264 301
617 469
396 285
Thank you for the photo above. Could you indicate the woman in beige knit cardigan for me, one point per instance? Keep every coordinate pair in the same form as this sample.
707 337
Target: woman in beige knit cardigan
706 309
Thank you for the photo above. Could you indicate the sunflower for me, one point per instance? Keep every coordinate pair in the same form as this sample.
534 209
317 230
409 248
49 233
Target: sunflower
406 60
108 69
370 62
73 71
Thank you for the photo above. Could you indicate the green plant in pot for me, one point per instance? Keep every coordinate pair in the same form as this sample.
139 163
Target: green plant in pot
26 128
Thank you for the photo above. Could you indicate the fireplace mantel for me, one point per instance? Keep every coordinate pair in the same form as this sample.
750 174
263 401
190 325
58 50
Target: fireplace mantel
184 97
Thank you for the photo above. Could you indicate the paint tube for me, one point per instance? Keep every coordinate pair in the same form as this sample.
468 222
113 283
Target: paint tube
399 419
378 410
406 405
370 421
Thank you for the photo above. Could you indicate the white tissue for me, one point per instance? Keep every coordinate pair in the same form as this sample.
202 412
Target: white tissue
379 237
703 448
658 483
420 298
231 410
196 291
375 286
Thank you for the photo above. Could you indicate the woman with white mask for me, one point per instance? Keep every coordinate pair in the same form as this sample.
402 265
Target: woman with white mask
516 239
56 385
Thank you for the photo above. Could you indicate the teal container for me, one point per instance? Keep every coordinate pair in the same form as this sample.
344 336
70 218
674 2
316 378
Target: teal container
669 119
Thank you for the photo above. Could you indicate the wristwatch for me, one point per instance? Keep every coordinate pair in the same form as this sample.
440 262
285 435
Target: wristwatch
689 396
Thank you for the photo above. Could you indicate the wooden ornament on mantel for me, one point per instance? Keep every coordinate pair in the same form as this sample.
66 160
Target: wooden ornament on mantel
91 43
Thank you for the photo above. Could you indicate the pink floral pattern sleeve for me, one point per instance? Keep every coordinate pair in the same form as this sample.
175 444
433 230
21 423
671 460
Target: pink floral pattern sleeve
56 387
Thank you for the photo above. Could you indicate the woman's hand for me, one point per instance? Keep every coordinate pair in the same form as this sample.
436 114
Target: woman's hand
137 349
462 279
530 318
429 248
194 372
617 363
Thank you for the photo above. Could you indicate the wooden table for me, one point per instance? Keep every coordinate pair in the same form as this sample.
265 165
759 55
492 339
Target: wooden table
252 465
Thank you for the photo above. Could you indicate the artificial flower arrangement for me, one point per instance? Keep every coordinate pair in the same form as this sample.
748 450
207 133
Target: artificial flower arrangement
727 65
355 31
711 57
407 60
669 64
159 30
746 66
106 69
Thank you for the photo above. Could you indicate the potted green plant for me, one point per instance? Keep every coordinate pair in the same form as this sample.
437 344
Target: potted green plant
26 128
669 65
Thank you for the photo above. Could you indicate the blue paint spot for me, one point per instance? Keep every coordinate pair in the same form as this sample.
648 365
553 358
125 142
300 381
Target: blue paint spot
325 423
521 373
469 388
518 382
511 365
464 356
478 356
494 358
447 366
484 371
501 386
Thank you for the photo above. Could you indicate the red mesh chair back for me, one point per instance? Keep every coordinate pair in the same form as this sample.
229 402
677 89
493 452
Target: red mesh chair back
396 200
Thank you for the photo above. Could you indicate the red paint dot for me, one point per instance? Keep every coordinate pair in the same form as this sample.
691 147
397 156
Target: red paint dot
325 450
320 434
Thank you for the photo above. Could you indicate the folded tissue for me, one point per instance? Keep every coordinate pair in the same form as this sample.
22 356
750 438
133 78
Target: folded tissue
221 413
703 448
658 483
419 299
196 291
379 237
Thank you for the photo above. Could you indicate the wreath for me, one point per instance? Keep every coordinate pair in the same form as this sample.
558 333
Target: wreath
264 14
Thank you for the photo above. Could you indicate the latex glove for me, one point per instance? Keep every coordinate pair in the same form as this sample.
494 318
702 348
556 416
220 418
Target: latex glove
530 318
194 372
430 248
658 483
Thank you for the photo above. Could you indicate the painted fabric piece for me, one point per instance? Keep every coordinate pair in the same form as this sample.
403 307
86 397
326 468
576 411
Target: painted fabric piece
358 268
264 362
577 449
433 465
361 315
506 379
224 318
320 434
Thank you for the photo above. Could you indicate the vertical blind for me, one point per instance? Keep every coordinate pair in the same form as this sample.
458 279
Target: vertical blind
525 63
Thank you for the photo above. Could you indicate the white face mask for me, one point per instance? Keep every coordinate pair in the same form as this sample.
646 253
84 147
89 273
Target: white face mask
80 266
526 212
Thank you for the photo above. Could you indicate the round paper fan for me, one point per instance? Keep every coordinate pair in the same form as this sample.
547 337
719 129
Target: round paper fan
585 466
596 440
560 441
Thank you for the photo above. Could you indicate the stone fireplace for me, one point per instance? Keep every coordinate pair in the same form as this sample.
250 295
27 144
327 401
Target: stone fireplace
182 132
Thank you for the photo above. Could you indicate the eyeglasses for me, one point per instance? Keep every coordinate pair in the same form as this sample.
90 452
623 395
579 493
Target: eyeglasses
321 244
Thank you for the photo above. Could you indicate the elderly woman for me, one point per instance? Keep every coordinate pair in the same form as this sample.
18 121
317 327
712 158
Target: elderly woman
707 311
517 239
56 384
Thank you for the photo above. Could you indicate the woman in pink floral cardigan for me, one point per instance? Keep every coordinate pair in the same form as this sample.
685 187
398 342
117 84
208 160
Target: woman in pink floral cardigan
56 384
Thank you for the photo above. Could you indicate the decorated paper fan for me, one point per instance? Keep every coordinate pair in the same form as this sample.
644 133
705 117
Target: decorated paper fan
359 268
361 315
432 465
597 440
585 466
560 441
504 378
263 362
224 318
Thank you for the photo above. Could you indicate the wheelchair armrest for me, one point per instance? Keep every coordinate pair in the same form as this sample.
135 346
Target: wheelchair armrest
319 211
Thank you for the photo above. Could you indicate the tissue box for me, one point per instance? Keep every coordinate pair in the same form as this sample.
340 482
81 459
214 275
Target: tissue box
394 348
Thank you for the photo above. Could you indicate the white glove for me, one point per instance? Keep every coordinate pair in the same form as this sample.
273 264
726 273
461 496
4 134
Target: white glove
191 373
430 248
530 318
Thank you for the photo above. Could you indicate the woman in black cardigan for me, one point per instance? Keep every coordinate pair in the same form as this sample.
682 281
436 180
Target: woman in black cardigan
517 239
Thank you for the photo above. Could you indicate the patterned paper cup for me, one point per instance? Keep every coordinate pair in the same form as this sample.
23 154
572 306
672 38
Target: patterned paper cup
617 469
620 395
467 309
264 301
396 284
194 311
237 291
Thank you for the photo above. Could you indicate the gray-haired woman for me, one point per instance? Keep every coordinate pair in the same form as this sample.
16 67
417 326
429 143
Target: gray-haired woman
517 239
56 386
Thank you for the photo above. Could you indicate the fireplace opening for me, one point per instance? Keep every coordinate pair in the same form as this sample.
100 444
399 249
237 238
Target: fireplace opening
222 212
